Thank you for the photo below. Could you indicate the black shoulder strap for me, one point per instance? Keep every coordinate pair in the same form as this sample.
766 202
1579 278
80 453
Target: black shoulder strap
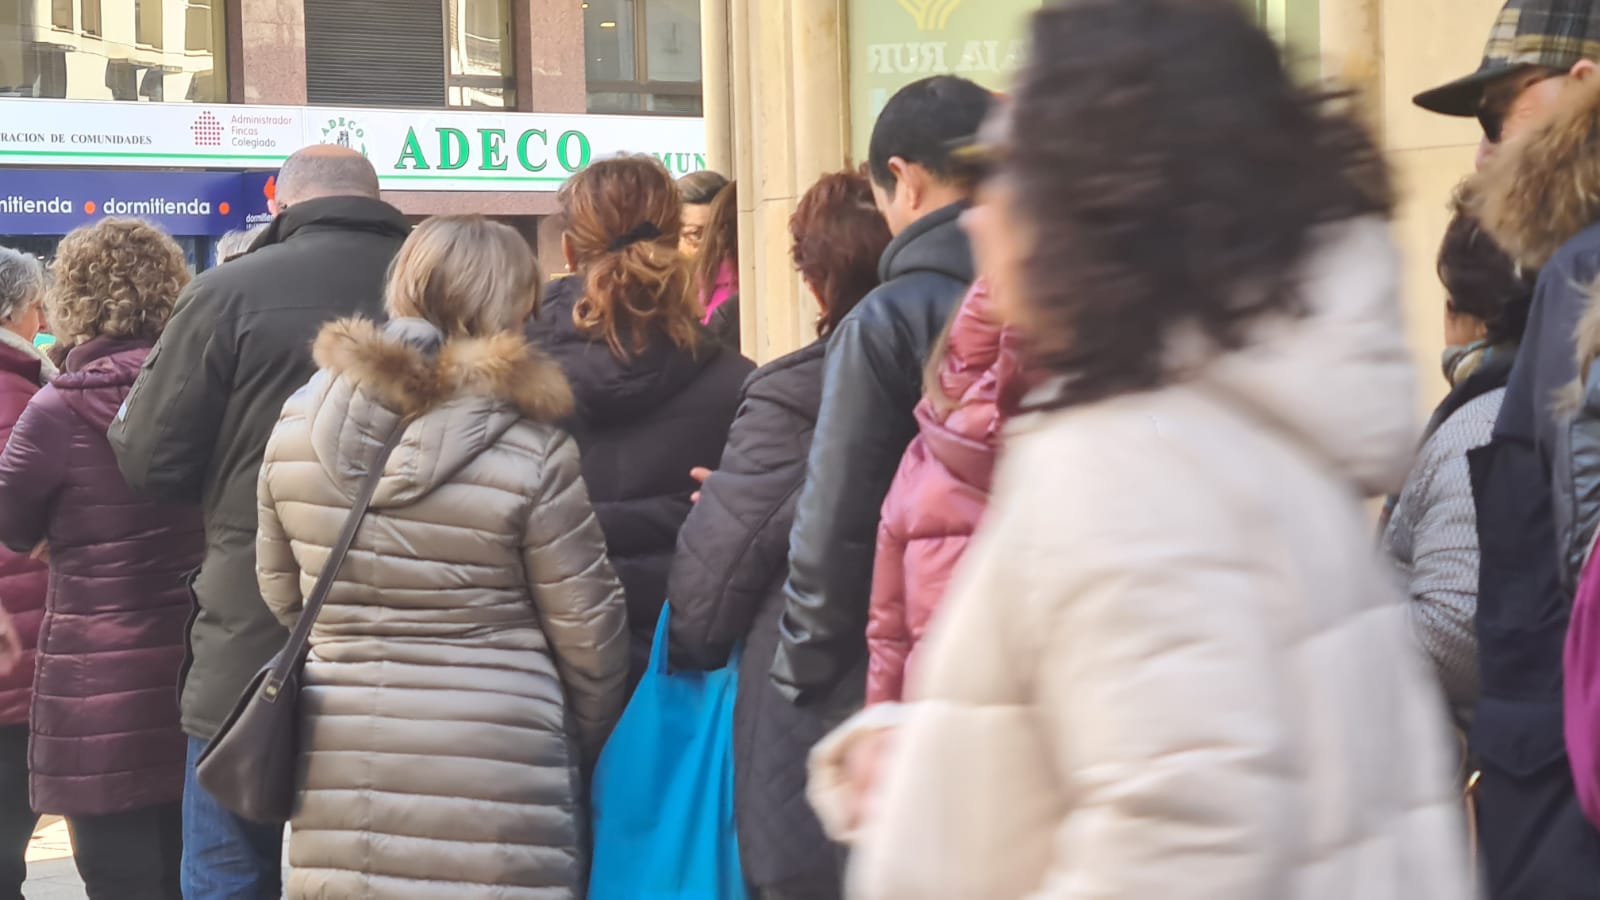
294 652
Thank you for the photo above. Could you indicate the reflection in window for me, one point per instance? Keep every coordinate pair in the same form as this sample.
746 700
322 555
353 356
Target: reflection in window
89 18
197 25
643 56
672 40
478 33
147 23
70 49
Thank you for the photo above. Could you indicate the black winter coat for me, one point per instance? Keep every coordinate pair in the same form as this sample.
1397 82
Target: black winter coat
727 586
724 324
872 384
641 425
1535 841
195 426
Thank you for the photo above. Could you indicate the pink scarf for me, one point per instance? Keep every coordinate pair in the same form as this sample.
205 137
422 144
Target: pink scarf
727 285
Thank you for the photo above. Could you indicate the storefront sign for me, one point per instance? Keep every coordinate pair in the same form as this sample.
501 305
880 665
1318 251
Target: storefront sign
412 149
894 44
53 201
477 151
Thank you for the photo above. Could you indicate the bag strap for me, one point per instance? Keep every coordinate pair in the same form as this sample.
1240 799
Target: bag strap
294 652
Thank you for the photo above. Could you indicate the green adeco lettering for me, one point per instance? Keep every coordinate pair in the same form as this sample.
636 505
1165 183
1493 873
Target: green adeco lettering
494 150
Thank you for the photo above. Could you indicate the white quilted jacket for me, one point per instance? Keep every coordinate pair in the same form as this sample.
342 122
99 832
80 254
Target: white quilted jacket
1171 665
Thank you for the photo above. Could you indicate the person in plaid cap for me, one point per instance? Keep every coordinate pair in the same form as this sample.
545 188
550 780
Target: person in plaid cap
1537 194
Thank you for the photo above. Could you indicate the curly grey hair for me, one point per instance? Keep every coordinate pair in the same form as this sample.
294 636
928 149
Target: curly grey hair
22 282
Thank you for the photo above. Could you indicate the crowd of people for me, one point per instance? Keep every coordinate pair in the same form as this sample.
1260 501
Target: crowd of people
1049 566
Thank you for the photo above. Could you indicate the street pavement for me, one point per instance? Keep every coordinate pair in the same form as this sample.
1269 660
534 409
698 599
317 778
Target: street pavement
52 875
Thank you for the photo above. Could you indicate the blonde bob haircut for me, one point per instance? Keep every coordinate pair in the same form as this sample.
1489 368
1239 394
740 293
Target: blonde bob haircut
467 275
117 278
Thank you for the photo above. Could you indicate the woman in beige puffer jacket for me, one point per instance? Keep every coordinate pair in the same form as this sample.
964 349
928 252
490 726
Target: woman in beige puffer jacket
471 657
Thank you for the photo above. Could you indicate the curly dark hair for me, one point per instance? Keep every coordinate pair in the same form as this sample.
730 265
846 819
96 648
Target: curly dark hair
1171 175
1482 281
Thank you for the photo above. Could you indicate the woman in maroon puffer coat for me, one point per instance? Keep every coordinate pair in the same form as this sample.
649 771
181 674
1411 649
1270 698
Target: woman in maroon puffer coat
941 489
22 580
105 750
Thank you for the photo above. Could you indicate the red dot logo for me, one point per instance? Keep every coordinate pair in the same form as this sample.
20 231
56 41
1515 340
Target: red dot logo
89 207
224 207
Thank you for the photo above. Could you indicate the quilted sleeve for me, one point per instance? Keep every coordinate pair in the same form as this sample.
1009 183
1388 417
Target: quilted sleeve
32 471
735 543
580 601
888 629
277 571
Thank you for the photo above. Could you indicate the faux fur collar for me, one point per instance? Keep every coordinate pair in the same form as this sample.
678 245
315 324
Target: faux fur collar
411 381
1543 188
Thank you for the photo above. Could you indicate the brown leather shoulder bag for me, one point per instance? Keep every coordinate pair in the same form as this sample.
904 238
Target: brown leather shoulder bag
250 766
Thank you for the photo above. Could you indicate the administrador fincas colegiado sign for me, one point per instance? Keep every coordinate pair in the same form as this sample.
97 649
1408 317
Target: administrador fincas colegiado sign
417 150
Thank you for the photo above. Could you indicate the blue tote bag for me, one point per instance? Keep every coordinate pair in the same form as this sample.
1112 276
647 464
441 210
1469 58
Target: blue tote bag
663 789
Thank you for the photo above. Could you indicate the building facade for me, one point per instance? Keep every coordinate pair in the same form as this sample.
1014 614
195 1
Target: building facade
802 80
180 109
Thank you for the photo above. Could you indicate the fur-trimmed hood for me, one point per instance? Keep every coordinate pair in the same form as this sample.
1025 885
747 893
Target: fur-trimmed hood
456 398
1543 188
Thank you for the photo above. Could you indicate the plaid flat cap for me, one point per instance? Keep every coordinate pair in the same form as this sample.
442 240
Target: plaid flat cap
1552 33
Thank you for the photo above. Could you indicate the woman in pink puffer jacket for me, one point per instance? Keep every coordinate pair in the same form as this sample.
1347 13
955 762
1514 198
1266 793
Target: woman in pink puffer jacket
942 487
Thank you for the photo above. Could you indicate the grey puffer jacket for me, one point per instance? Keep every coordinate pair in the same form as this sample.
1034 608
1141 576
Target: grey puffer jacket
1576 470
1432 535
472 656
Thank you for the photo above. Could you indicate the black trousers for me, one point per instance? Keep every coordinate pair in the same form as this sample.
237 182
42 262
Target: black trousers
134 855
802 894
17 819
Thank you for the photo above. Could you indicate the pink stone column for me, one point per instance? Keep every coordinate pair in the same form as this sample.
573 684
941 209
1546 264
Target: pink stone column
550 60
266 51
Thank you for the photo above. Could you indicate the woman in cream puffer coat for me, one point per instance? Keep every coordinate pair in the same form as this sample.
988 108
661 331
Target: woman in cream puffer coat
471 657
1171 665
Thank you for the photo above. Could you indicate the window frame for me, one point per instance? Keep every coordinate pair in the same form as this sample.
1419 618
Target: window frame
142 14
506 83
641 84
56 8
91 26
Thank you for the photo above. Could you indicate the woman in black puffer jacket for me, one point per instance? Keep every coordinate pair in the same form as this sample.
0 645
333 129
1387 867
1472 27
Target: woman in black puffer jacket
655 392
733 553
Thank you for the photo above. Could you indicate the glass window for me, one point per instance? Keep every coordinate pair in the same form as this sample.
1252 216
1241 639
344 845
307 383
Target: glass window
147 22
478 33
672 40
197 25
130 51
89 18
643 56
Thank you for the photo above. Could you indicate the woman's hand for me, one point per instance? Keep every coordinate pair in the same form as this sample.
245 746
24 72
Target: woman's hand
846 769
699 474
863 766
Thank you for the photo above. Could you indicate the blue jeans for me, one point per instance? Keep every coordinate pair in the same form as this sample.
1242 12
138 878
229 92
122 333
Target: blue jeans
226 857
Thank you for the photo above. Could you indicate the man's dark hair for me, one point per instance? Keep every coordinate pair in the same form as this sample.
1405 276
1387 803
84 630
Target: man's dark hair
924 123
